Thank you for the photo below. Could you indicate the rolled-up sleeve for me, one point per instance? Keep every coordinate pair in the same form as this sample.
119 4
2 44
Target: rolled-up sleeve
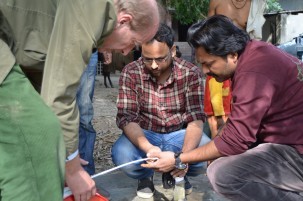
194 98
127 103
252 95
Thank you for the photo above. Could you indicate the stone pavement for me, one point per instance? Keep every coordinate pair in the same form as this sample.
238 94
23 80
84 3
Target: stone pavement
123 188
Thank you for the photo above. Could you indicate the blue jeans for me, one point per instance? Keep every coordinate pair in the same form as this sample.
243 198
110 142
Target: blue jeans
87 133
124 151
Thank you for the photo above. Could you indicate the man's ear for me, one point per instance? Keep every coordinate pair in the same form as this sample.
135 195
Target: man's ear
123 19
173 51
234 57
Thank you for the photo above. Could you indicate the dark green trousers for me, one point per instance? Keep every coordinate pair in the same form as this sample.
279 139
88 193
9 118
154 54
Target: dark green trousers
32 152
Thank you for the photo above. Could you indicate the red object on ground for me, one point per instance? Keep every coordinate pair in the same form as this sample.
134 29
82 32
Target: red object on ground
97 197
68 196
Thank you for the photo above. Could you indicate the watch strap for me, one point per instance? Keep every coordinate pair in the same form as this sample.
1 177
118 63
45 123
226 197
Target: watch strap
177 154
177 158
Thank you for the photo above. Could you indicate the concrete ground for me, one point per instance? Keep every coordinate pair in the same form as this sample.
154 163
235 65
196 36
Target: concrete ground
123 188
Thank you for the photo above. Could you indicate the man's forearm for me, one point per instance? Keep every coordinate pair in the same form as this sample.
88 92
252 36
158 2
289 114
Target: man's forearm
72 165
204 153
135 134
193 136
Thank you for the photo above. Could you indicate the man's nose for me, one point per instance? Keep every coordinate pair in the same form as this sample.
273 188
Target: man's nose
205 70
154 64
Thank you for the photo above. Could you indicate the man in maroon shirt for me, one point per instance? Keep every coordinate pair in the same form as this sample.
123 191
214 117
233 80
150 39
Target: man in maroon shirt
261 145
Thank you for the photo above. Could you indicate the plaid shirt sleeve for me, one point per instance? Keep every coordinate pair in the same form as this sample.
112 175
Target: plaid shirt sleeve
194 97
127 102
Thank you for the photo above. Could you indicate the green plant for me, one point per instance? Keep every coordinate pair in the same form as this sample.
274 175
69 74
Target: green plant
187 11
190 11
272 6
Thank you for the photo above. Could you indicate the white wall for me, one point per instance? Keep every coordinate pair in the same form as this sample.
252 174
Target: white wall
282 27
291 26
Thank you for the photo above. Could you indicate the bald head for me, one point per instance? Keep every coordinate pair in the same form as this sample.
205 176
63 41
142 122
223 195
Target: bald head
145 13
137 22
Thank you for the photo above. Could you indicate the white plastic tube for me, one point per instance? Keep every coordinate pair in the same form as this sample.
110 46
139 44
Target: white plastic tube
123 165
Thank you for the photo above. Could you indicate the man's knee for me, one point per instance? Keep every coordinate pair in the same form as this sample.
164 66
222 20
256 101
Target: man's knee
222 181
122 151
115 153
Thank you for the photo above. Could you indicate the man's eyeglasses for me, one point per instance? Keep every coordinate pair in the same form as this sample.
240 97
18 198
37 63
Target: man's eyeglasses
149 61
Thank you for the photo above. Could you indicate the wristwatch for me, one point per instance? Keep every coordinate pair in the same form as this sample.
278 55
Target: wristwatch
178 163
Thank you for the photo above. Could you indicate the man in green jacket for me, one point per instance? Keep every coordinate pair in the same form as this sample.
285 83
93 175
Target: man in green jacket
55 37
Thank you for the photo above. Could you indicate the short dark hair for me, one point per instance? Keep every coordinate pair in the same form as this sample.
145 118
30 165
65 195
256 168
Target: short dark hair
164 34
218 36
178 52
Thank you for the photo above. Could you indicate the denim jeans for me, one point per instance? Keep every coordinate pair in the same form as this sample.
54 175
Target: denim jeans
266 172
87 133
124 151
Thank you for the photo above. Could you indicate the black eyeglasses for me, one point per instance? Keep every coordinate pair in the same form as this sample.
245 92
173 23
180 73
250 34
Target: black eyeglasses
149 61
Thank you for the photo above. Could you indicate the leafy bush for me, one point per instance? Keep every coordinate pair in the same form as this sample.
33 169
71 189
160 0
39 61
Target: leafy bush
272 6
187 11
190 11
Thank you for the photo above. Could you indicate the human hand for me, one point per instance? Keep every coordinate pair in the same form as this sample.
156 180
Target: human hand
152 150
165 162
178 172
83 162
80 183
220 122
